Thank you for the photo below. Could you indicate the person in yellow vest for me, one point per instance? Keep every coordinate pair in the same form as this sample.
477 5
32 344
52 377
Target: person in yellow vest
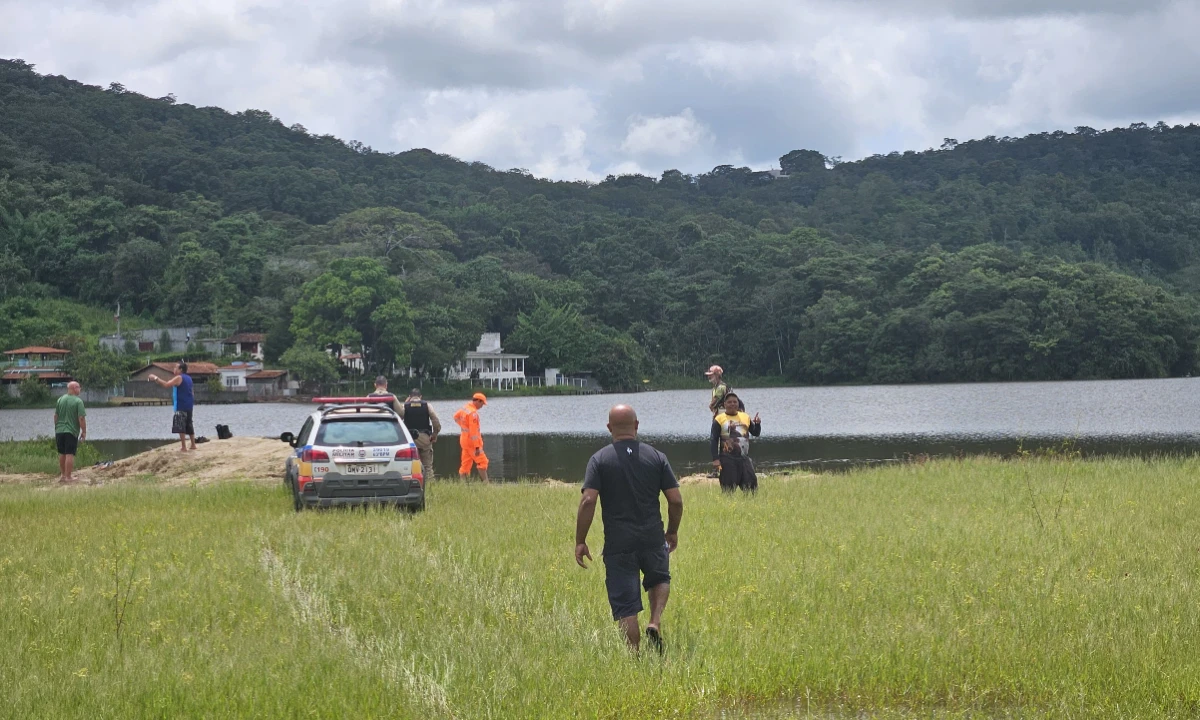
470 440
729 443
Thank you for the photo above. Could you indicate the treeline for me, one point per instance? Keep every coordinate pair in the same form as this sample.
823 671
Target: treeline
1061 255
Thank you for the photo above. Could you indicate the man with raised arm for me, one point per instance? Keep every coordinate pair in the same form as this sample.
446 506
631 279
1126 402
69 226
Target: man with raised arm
626 477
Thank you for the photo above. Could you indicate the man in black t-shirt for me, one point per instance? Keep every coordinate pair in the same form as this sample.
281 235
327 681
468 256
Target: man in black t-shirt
627 477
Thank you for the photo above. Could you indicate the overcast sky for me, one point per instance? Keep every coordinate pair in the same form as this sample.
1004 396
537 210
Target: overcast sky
578 89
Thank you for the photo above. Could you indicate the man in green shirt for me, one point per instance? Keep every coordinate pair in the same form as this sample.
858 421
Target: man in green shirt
70 426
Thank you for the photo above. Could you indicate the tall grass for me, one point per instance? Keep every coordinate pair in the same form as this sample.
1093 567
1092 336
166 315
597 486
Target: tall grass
40 456
950 589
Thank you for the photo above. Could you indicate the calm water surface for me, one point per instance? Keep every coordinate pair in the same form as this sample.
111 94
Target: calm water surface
816 427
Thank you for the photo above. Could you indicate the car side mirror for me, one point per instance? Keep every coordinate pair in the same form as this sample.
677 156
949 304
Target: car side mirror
288 438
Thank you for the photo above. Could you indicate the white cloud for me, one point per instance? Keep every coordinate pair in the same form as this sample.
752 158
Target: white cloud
669 137
580 88
544 132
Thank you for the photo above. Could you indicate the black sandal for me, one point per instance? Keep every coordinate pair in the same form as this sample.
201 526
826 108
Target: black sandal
654 637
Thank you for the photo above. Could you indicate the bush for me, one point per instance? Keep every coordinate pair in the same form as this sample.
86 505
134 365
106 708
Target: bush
33 391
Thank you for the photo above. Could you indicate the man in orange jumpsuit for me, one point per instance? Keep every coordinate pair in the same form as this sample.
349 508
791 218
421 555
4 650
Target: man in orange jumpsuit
470 441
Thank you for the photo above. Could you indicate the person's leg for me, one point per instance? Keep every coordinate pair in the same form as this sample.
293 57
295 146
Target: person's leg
425 450
728 476
60 444
624 595
69 468
481 463
465 461
191 430
633 633
656 571
749 479
182 442
658 602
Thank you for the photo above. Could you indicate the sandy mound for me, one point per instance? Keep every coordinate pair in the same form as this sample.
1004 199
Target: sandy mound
238 458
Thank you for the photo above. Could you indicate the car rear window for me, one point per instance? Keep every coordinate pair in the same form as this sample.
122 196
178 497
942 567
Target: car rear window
356 432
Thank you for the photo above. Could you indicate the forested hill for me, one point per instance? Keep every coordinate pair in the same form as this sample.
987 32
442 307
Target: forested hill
1060 255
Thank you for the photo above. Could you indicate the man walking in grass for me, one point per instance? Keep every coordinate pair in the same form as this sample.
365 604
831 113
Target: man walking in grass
70 427
627 477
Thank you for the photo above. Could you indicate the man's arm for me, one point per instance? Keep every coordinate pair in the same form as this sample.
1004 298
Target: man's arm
82 427
167 383
437 424
674 515
583 523
714 441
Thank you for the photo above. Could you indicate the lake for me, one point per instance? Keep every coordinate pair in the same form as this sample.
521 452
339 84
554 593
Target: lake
828 427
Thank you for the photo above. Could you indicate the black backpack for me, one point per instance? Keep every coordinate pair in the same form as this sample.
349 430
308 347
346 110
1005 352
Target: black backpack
223 432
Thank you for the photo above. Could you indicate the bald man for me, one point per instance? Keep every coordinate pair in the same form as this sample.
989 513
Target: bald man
626 477
70 426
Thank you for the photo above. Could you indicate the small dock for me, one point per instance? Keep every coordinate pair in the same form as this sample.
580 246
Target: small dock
138 402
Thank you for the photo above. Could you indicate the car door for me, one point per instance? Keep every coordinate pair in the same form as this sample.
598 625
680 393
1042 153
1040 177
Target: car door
298 445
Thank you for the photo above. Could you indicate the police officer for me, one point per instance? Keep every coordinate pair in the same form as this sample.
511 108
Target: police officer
423 423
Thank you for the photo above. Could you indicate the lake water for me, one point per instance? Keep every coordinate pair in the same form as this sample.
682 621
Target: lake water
811 427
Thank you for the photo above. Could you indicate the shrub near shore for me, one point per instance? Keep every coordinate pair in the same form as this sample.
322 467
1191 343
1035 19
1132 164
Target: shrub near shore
953 589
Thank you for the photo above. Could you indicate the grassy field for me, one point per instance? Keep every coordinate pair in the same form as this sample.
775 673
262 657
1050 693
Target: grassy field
976 588
41 456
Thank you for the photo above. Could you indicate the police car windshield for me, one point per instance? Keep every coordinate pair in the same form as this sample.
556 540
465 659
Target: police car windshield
364 433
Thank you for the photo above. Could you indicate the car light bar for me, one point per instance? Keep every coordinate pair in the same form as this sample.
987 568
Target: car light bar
353 400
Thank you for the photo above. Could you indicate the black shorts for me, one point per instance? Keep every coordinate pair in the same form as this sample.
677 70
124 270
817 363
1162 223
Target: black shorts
182 424
66 443
621 578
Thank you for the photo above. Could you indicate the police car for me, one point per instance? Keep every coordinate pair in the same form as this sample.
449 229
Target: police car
354 451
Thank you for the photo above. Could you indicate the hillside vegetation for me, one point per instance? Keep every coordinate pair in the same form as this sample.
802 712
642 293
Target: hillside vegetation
1060 255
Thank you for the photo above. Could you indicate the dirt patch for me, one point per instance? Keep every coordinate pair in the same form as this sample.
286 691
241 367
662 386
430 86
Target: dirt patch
239 458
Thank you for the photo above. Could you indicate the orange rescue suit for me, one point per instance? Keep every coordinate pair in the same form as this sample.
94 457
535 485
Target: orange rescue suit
470 441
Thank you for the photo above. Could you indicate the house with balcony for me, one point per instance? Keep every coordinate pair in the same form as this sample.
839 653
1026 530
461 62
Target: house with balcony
245 344
44 363
489 366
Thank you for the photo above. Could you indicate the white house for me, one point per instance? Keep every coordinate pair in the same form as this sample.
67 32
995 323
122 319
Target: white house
489 364
233 377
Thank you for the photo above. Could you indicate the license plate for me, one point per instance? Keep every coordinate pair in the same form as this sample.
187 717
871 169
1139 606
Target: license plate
363 469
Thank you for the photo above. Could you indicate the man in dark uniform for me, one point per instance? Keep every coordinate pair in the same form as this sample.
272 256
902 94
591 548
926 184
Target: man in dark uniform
423 423
627 477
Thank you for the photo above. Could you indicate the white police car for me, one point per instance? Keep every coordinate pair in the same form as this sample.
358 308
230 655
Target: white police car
354 451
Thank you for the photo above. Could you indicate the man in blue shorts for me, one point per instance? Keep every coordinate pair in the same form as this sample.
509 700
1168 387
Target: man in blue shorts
627 477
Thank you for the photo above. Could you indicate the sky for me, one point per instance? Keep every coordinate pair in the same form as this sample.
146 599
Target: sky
580 89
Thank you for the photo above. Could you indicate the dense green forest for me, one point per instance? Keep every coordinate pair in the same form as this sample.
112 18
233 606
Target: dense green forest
1052 256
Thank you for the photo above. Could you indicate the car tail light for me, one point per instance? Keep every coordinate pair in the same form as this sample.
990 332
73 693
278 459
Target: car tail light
420 478
406 453
310 455
304 481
